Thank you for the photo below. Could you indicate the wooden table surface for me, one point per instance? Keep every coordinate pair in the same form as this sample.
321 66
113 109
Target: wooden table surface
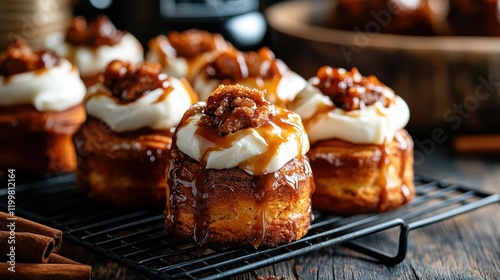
463 247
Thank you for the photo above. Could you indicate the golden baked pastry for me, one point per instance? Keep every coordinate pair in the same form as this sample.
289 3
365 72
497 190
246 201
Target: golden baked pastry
238 174
123 146
40 109
359 178
361 156
124 169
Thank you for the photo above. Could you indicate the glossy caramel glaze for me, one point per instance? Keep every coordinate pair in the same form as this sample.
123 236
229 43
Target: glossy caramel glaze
38 142
128 82
356 178
349 90
192 43
260 70
123 169
20 58
98 32
231 208
193 46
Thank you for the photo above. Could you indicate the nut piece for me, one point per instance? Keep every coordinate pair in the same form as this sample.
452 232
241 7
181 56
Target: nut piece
232 65
192 43
234 107
127 82
19 58
349 90
98 32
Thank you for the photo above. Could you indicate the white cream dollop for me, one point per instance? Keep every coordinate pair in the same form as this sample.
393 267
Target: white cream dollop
173 66
91 61
248 145
286 89
151 110
50 89
372 124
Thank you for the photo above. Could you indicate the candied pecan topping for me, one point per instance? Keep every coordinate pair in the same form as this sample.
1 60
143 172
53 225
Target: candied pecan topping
234 107
98 32
233 65
128 82
349 90
192 43
20 58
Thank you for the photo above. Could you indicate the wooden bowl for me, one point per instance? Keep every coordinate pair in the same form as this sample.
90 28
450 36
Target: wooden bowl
448 82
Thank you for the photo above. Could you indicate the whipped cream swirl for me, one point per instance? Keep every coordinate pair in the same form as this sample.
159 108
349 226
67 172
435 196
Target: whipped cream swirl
258 151
49 89
371 124
91 61
158 109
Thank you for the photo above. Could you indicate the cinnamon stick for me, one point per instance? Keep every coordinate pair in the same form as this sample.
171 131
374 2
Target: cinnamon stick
35 271
23 225
477 144
25 246
55 258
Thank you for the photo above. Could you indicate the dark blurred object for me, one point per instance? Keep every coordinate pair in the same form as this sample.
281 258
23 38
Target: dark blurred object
141 18
239 21
474 17
451 83
417 17
32 20
396 16
483 144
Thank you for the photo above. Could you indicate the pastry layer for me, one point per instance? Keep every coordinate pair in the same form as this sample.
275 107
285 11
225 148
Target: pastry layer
38 142
358 178
230 207
124 169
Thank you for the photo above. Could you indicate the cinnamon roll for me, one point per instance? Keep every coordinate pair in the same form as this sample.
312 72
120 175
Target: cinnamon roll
238 174
361 156
40 109
123 146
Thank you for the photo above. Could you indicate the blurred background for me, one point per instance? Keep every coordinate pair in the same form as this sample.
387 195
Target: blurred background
441 56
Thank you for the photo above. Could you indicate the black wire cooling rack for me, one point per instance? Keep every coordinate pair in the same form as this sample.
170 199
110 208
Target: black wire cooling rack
137 238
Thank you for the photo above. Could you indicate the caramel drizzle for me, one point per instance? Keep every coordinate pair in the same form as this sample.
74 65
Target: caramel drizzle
264 185
384 164
245 74
383 178
321 111
404 147
277 130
